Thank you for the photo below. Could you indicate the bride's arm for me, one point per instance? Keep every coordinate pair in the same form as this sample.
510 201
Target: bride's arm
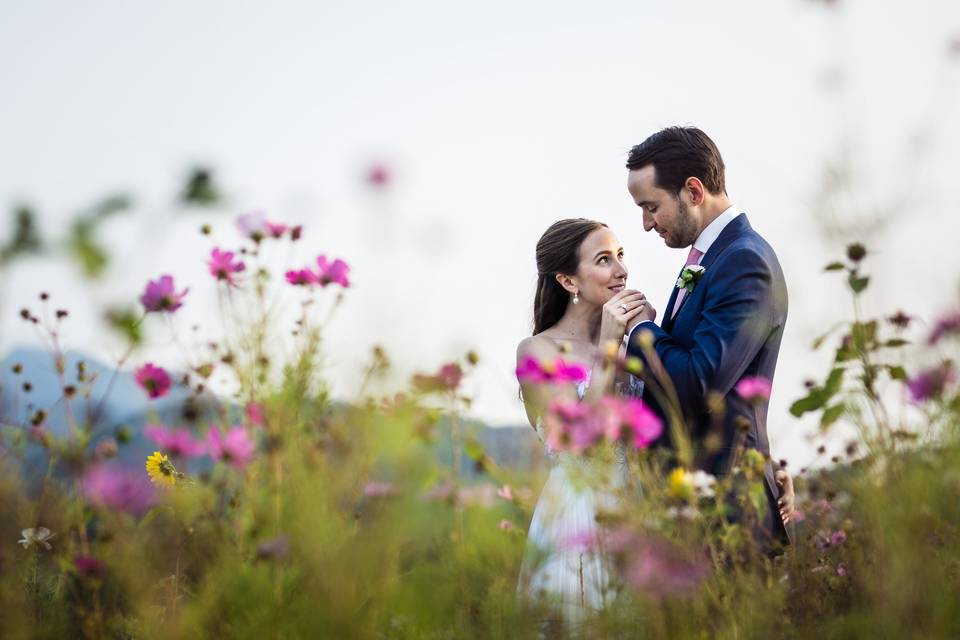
537 397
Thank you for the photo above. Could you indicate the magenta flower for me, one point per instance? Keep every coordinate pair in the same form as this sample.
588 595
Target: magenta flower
841 570
160 295
506 525
574 426
255 414
655 565
222 265
633 417
276 229
302 277
154 380
89 566
754 389
118 488
931 382
447 379
838 538
335 272
379 490
532 370
253 225
378 175
236 447
176 442
946 326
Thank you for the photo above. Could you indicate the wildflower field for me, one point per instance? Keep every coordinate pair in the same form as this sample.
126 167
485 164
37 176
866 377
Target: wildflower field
275 512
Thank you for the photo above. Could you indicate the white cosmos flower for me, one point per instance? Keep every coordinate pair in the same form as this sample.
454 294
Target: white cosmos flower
703 483
32 536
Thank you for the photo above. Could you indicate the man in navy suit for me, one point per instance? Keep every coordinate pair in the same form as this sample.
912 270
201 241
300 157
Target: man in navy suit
729 326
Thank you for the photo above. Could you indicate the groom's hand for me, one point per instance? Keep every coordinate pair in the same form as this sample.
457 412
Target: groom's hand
648 313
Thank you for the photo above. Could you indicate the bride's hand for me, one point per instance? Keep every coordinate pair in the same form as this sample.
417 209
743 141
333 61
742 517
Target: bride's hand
618 312
787 496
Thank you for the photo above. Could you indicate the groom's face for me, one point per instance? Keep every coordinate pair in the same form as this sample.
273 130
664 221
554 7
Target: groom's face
663 211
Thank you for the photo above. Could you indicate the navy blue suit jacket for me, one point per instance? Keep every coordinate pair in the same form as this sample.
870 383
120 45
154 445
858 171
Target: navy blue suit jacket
728 328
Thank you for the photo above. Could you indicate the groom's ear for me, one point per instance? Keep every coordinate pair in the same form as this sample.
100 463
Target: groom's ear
695 190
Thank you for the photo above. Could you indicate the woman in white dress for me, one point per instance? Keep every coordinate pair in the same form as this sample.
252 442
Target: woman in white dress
581 304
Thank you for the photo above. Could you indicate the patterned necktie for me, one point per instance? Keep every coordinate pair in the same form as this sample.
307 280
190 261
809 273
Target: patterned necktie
692 258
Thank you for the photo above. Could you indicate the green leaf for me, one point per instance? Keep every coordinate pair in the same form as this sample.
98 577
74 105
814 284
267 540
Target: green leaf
896 342
92 257
818 342
858 283
897 372
830 415
758 497
201 189
834 266
126 322
473 449
819 396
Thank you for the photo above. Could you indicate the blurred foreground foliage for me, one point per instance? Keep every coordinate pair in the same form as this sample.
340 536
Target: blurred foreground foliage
343 521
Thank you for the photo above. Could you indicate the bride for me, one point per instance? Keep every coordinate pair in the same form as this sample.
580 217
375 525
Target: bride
581 303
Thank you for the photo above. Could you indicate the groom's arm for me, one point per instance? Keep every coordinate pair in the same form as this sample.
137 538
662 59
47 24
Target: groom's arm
736 321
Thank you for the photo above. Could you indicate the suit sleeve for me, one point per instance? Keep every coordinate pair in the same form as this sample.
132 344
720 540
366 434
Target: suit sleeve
736 321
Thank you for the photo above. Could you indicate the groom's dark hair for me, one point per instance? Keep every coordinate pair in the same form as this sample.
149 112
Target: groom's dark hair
678 153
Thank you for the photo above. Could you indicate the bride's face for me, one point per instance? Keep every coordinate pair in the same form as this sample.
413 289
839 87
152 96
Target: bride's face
601 272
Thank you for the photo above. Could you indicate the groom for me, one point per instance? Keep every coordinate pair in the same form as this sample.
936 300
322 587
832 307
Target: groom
727 324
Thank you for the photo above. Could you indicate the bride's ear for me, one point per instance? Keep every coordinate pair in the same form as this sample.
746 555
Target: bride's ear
568 283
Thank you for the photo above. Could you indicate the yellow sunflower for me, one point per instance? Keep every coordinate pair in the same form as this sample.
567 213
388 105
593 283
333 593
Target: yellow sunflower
161 470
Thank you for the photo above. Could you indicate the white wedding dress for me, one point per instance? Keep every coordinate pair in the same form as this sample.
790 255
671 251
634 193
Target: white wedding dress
564 563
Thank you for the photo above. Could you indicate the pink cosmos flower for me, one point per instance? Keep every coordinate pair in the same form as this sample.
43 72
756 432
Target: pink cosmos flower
506 525
841 570
332 272
754 389
236 447
505 492
947 325
447 379
176 442
532 370
222 265
89 566
118 488
582 541
253 225
302 277
379 489
574 426
838 538
931 382
276 229
633 417
154 380
106 448
378 175
160 295
255 414
657 566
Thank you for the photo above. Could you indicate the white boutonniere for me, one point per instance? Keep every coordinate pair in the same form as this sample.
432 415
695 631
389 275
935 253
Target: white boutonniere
689 277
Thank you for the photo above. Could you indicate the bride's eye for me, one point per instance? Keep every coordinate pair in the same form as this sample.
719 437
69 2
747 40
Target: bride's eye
602 259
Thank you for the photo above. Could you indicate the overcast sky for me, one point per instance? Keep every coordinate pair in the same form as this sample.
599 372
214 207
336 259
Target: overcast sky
495 119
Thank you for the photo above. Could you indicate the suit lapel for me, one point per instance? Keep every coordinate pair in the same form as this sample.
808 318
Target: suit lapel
668 314
736 226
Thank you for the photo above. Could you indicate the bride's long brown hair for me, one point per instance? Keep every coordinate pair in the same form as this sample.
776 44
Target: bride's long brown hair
558 251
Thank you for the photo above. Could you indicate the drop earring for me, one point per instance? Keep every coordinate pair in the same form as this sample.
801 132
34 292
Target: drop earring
576 298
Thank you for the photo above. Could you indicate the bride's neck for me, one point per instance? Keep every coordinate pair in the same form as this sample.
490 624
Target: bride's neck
580 322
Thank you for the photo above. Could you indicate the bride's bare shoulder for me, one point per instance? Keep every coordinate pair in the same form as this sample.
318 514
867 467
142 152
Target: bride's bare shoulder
539 346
